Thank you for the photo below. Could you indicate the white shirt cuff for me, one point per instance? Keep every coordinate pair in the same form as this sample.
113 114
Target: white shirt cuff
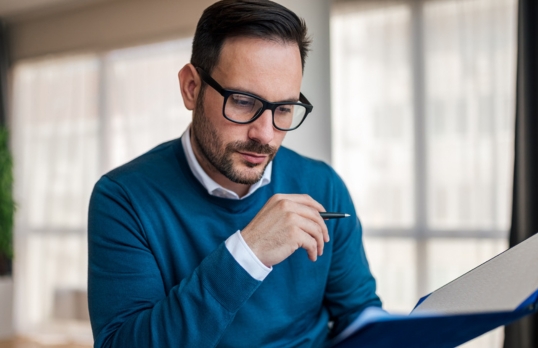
244 256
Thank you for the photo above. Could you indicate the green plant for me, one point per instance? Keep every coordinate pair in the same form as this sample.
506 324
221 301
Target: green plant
7 205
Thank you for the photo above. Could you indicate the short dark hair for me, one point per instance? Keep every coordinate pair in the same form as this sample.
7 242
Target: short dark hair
250 18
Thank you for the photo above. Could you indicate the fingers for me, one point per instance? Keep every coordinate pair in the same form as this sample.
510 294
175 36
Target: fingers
308 222
307 207
302 199
285 223
311 247
308 235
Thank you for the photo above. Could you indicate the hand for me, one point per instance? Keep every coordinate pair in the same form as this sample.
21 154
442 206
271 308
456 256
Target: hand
285 224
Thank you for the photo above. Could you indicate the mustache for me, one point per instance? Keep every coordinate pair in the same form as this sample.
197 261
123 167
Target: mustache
251 146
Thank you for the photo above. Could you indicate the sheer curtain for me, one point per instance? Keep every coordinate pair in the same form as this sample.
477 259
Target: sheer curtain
55 127
423 129
143 103
373 133
74 118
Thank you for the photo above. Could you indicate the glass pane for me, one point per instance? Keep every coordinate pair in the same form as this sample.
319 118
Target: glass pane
55 137
372 110
470 88
50 297
55 129
450 258
393 264
144 105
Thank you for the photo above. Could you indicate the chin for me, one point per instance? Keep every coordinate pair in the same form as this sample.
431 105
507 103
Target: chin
253 165
249 173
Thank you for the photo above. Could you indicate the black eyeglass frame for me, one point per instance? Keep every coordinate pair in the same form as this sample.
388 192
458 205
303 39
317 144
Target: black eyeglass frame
266 105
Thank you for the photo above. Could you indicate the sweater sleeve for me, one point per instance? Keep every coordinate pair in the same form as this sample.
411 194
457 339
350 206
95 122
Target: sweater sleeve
127 301
350 287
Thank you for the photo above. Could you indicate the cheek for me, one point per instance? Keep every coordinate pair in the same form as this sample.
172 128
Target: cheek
213 103
213 108
279 138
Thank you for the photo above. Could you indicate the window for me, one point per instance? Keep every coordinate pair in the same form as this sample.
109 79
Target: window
75 118
423 103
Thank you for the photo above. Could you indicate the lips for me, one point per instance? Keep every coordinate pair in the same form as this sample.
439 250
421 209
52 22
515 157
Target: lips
253 158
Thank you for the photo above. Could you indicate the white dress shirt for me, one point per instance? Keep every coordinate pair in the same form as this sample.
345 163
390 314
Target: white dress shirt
235 244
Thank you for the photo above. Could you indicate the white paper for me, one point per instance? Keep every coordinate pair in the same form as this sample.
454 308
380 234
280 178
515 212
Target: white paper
500 284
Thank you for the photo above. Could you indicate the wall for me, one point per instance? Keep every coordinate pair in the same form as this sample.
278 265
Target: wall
313 138
106 25
6 307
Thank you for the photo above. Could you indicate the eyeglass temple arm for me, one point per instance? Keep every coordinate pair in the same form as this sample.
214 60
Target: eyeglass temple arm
209 80
303 99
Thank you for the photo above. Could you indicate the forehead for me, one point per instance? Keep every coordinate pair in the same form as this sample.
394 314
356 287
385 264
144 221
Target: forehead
269 68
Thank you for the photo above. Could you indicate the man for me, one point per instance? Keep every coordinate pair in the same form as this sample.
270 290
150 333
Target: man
215 239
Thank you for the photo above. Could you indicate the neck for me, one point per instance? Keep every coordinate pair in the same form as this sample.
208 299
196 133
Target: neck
240 189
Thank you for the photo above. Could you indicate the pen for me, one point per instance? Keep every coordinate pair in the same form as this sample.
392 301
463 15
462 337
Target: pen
328 215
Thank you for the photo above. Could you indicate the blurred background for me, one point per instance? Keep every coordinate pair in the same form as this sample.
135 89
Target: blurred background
414 107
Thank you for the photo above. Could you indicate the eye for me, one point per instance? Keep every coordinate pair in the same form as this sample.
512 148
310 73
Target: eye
242 101
284 109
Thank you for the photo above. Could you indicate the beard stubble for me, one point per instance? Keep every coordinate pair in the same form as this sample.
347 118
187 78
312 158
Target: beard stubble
220 156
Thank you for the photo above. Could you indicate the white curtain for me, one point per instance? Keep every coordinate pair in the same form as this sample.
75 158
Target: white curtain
423 124
74 118
143 101
55 128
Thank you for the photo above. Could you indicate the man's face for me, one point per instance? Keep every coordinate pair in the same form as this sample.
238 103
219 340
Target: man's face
241 152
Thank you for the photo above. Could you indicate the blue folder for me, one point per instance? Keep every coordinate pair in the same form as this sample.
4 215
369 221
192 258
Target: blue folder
432 330
493 294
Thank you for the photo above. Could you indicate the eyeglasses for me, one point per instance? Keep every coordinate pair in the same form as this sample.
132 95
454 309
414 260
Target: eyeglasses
241 107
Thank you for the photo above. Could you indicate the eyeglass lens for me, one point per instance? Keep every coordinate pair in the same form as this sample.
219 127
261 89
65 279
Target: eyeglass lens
242 108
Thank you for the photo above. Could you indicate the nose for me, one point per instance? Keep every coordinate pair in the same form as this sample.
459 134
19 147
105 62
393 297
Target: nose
262 129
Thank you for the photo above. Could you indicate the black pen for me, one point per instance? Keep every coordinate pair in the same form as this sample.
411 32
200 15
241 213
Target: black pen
327 215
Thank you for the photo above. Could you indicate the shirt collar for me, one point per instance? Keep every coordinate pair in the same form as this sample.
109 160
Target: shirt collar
209 184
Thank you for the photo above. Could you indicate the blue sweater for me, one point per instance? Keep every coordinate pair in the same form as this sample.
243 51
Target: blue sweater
160 274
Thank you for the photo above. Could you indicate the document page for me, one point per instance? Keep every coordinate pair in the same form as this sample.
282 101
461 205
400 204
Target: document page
500 284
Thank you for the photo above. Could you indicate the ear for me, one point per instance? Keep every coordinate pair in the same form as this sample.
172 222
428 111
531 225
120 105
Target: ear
189 84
